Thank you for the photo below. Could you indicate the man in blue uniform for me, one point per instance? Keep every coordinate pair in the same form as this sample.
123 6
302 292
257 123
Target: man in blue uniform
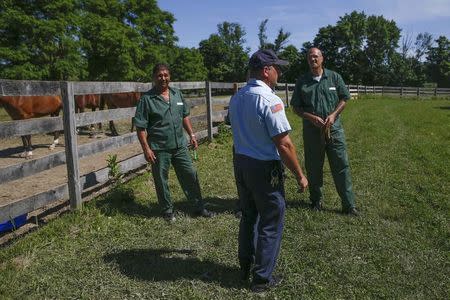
261 141
161 116
319 97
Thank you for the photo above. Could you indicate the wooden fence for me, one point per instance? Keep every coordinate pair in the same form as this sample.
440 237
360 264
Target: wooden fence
356 90
400 91
72 190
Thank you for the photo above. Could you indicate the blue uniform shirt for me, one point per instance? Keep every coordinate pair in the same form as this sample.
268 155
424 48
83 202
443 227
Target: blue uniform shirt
256 115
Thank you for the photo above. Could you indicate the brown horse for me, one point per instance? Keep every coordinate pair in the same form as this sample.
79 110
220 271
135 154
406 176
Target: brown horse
119 100
91 101
27 107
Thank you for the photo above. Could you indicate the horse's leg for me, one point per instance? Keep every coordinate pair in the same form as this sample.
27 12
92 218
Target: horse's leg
132 125
55 140
99 125
113 128
55 134
77 111
28 150
92 126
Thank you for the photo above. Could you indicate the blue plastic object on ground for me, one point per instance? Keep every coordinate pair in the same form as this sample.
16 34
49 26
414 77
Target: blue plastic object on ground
13 224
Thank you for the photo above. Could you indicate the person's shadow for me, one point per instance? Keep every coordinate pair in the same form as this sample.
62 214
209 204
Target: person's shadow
123 200
171 265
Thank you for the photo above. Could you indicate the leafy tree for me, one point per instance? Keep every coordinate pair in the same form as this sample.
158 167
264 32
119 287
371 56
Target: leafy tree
351 32
297 64
360 47
405 71
213 50
155 27
40 40
262 35
423 43
224 54
280 41
439 62
124 39
84 39
382 40
188 66
326 41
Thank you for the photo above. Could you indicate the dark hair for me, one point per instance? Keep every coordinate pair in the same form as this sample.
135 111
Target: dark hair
159 67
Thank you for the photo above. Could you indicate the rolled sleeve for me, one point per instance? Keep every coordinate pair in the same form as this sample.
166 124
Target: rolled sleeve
186 108
296 99
342 90
140 119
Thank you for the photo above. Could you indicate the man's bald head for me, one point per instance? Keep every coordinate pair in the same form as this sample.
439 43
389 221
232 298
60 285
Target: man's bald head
316 50
315 60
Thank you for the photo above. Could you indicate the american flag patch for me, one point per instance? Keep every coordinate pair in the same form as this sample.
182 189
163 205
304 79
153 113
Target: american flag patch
276 108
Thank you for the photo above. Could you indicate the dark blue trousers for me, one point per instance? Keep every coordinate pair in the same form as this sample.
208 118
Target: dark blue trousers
263 207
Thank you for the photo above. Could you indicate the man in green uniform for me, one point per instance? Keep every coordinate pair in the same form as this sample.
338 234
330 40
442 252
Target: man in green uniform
319 97
161 115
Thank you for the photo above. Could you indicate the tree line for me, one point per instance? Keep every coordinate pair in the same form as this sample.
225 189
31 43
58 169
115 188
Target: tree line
121 40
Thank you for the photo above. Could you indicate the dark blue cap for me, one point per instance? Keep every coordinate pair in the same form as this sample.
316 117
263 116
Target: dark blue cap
265 57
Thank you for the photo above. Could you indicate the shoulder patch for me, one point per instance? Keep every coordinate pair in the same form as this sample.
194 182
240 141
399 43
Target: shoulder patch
276 108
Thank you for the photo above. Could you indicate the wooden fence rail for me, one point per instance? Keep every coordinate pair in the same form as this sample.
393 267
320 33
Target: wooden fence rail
73 152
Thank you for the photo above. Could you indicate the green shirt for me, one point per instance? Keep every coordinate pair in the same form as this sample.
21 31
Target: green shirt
163 120
320 98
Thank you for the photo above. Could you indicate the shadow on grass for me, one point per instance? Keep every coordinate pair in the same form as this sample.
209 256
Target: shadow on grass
443 107
122 200
306 205
172 265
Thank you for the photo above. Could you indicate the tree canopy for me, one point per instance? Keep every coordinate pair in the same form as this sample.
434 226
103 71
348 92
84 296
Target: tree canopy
224 54
121 40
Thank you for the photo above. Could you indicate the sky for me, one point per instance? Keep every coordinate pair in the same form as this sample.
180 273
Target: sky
196 20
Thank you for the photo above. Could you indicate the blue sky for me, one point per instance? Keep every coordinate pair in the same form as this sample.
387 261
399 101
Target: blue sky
197 19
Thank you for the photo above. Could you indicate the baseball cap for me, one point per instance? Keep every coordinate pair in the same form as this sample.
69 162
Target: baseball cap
265 57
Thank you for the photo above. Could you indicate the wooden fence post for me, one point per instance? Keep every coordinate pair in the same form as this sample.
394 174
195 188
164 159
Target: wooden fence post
287 94
365 90
401 91
235 88
418 92
435 91
209 110
382 90
71 147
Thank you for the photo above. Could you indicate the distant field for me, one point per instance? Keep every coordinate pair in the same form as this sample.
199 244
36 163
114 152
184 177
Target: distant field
118 247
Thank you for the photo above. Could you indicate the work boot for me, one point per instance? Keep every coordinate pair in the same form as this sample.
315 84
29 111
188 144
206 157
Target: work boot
256 287
351 212
169 217
316 206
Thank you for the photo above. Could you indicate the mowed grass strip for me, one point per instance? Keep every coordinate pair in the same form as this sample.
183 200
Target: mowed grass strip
118 247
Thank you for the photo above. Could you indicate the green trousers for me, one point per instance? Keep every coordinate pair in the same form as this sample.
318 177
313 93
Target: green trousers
316 145
186 174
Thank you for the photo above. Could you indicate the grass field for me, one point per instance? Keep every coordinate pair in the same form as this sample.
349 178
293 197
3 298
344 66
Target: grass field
118 247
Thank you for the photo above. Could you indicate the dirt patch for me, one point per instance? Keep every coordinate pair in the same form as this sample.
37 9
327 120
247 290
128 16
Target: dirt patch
12 148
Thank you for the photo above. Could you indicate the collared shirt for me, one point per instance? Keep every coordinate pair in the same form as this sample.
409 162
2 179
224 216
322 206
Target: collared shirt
320 97
163 120
256 115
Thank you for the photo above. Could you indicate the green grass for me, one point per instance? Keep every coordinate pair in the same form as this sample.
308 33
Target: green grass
118 247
